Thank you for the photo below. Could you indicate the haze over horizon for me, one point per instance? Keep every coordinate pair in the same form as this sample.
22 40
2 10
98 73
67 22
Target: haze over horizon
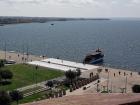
70 8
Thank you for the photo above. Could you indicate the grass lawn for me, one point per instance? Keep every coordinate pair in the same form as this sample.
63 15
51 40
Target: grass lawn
34 97
37 96
27 74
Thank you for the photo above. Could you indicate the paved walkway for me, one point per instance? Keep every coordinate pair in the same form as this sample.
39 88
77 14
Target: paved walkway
63 64
80 91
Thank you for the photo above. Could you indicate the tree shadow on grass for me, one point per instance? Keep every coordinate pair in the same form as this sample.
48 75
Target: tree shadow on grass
5 82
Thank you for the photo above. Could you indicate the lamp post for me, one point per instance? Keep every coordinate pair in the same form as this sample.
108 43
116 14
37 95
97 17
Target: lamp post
23 53
27 53
108 82
111 86
36 67
5 49
126 83
98 85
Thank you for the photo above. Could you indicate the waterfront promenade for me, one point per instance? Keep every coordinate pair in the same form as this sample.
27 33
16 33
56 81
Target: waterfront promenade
18 57
63 65
119 79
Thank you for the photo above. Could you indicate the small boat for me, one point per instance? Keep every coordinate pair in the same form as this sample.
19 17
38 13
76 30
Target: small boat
94 57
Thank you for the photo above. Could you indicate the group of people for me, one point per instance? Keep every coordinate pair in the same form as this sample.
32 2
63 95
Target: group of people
123 73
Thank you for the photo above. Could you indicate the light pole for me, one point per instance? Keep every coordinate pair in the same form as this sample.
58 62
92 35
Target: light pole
98 85
126 83
5 49
36 67
108 82
111 86
27 53
23 53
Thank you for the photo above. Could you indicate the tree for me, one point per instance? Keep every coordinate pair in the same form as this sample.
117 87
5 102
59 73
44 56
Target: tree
136 88
99 70
106 70
1 63
0 78
16 95
49 84
6 74
78 72
4 98
70 75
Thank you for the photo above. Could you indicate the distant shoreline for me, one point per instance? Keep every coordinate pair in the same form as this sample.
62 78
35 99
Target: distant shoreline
20 20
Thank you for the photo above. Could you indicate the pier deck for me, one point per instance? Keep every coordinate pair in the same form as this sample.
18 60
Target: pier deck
63 64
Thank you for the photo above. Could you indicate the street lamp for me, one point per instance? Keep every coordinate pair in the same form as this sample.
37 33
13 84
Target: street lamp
108 81
36 67
5 49
126 83
98 85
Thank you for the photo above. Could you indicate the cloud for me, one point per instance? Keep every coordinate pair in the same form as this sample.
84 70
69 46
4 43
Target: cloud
73 2
80 8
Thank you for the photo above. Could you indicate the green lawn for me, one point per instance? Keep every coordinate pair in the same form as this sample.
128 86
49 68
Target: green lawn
34 97
27 74
38 96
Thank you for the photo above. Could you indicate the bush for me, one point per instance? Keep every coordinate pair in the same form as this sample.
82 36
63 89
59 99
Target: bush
16 95
78 72
104 92
6 74
2 62
49 84
99 70
84 88
4 98
70 75
136 88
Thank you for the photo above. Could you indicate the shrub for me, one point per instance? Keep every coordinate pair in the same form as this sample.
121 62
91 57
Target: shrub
4 98
78 72
106 70
104 92
16 95
49 84
84 88
6 74
70 75
99 70
136 88
2 62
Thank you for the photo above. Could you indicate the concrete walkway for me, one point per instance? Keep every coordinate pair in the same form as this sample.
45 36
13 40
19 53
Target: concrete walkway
80 91
63 64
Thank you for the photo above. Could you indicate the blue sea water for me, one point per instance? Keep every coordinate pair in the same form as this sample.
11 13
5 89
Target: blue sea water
72 40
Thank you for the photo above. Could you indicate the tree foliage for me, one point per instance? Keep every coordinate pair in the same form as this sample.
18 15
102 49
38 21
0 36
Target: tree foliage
50 84
6 74
2 63
136 88
4 98
70 75
16 95
78 72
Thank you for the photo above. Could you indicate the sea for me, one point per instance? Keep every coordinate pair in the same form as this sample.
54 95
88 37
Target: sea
72 40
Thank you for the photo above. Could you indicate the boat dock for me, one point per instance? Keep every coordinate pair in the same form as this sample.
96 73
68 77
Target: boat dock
63 65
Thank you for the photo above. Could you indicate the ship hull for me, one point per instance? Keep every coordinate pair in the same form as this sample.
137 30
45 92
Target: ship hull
95 61
94 57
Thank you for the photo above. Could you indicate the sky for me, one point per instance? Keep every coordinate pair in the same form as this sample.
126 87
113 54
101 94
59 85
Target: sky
70 8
